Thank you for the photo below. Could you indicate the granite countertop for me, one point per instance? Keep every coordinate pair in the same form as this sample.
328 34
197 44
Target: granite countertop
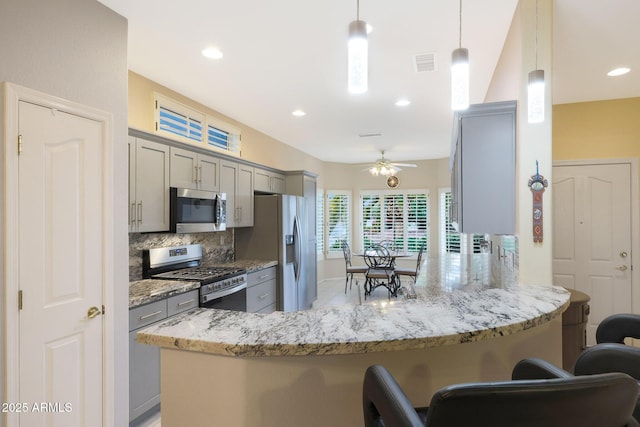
251 265
443 313
149 290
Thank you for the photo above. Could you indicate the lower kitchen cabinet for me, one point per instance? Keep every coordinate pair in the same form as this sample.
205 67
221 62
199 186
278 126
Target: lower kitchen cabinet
144 360
261 291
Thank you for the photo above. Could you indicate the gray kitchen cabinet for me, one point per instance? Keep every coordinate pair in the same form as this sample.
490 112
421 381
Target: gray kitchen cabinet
148 186
268 181
261 291
483 169
236 180
144 360
194 170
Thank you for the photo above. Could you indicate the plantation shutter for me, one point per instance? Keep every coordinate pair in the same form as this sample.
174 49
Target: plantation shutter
338 220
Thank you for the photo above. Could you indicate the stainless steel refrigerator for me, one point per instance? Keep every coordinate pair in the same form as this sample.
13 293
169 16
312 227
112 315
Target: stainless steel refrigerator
278 234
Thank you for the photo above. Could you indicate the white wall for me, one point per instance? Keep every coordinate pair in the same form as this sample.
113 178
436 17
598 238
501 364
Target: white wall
77 50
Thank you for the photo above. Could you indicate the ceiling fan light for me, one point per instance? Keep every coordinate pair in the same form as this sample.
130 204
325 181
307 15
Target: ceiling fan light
358 57
460 79
535 97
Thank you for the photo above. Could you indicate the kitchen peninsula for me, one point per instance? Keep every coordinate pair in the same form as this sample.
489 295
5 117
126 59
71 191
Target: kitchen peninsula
306 368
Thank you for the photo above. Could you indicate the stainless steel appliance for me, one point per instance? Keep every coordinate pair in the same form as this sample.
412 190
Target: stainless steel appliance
193 211
220 287
278 234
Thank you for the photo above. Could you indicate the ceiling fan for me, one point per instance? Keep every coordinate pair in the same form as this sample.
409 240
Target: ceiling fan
386 167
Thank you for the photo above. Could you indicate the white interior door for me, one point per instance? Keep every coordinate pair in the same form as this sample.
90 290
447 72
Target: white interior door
60 267
592 236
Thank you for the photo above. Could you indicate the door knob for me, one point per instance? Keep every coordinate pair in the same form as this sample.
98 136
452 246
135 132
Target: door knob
93 312
623 254
622 267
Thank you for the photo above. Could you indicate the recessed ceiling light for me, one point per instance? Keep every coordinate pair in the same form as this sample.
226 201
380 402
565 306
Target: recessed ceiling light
212 53
403 102
298 113
618 71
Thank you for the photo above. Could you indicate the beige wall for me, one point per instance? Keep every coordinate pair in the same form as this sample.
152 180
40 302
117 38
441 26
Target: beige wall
77 50
256 146
596 130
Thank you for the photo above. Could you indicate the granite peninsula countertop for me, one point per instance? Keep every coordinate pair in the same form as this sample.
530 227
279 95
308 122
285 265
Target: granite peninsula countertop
146 291
443 313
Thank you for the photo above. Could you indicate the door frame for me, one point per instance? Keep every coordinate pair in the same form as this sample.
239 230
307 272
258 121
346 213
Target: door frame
635 214
13 95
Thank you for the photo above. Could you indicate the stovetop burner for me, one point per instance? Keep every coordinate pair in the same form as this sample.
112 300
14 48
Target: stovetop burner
203 274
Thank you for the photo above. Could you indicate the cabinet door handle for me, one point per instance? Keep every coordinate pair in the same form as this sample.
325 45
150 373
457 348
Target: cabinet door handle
194 175
132 213
180 304
146 316
261 297
140 212
263 277
200 174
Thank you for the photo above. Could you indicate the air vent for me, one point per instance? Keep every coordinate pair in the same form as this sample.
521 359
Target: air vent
369 135
424 62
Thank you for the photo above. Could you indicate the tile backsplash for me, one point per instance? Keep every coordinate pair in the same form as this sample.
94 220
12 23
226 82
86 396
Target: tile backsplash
216 247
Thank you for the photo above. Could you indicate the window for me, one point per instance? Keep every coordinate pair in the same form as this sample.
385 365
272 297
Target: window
320 223
402 218
223 136
338 208
185 124
179 120
450 240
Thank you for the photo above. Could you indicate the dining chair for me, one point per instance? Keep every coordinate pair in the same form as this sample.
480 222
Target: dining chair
412 273
350 270
380 271
540 397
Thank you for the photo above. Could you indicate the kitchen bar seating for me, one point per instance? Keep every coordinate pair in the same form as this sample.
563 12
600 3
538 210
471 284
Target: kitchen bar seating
605 400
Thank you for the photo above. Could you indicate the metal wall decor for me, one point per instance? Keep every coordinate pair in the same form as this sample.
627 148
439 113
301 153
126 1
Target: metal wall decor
537 184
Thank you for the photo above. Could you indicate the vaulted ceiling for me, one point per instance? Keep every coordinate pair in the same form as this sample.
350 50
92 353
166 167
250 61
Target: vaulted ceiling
289 54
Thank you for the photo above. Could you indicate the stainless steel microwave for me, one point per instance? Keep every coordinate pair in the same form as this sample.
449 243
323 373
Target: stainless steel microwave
197 211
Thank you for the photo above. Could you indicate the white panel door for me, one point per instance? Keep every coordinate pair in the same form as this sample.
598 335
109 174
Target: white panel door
592 236
60 268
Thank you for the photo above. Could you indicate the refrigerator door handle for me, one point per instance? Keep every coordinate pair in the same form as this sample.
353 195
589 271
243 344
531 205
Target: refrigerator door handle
298 248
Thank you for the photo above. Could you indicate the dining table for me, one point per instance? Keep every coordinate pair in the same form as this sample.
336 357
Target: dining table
381 264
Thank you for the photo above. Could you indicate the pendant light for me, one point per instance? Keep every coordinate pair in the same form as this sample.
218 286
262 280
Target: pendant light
535 89
460 74
358 55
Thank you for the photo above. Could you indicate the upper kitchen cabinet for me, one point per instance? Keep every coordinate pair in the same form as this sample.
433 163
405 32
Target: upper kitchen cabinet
148 186
236 180
268 181
194 170
483 169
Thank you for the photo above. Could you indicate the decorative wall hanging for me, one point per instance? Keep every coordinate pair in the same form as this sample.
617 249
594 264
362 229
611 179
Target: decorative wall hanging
537 184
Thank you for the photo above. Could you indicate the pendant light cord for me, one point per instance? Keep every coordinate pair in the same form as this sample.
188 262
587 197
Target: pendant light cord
536 34
357 10
460 26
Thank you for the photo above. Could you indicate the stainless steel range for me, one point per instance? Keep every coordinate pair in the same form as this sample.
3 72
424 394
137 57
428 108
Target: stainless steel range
220 287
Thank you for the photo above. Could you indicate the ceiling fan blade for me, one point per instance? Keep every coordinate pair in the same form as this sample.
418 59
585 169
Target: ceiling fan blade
408 165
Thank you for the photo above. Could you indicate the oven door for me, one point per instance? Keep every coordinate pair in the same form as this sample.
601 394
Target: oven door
236 301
